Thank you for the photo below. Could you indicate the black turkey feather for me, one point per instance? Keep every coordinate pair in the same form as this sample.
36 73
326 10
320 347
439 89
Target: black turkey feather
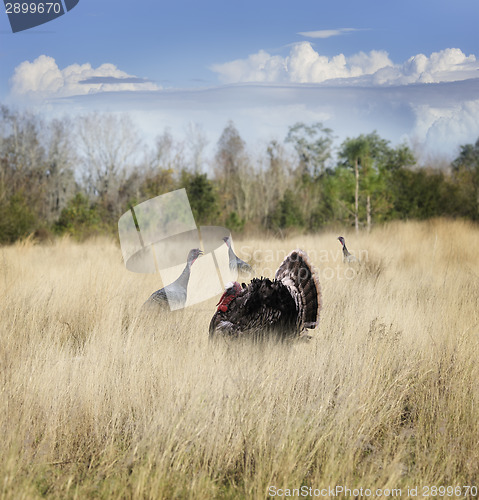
282 308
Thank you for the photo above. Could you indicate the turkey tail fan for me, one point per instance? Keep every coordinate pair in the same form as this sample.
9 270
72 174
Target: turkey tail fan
297 274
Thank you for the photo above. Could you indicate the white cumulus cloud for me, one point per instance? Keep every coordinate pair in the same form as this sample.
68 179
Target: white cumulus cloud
259 67
304 64
42 78
444 66
442 126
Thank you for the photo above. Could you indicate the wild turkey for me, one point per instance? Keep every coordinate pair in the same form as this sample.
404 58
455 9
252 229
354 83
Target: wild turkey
236 264
281 308
175 293
347 257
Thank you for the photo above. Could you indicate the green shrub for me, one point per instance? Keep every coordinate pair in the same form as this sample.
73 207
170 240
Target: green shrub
17 218
288 212
79 218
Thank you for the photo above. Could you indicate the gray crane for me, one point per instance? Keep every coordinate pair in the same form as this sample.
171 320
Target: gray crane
175 293
236 264
347 257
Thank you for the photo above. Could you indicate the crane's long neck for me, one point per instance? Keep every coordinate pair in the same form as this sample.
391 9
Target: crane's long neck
231 254
345 250
184 276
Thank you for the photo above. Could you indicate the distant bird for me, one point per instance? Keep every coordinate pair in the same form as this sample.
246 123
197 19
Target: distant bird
281 308
175 293
347 257
236 264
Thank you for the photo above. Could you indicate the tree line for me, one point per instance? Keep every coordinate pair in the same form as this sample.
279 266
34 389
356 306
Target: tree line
62 176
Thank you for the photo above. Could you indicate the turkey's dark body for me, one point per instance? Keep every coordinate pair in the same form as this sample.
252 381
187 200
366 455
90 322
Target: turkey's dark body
281 308
264 307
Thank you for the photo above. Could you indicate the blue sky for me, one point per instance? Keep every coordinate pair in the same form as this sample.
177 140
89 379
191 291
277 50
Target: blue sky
408 69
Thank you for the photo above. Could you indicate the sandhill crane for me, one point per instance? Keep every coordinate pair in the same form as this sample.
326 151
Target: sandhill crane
236 264
175 293
347 257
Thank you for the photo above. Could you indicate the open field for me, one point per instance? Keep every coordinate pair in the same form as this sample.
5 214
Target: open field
96 403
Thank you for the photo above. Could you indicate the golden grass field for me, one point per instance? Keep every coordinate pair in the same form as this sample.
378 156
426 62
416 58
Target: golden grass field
97 403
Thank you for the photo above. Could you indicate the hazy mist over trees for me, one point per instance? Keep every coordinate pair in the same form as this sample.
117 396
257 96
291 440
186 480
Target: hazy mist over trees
78 177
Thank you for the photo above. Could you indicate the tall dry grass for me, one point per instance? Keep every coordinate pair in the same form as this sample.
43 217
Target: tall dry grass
98 403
